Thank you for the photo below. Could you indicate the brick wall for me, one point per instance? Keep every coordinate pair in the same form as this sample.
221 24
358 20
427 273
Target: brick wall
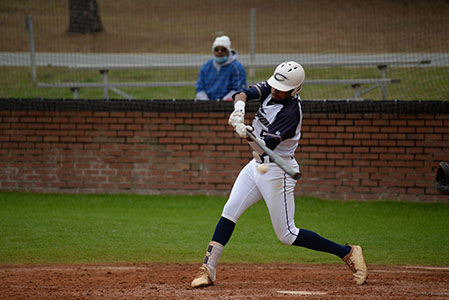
349 150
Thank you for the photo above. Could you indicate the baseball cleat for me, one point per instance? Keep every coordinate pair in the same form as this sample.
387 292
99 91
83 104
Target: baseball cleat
356 262
203 279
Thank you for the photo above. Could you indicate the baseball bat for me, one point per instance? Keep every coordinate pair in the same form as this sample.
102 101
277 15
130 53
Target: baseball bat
295 174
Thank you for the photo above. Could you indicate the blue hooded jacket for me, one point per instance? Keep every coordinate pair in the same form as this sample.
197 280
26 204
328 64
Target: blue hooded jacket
220 81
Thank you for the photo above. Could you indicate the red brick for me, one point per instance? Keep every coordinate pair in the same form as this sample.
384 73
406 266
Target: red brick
398 122
406 129
35 113
353 129
353 142
317 142
126 121
361 136
335 129
391 129
326 135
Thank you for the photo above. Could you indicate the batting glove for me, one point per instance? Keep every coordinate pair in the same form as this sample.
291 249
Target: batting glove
238 115
242 128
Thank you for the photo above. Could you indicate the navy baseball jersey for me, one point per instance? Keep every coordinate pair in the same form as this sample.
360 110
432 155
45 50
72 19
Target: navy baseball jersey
277 123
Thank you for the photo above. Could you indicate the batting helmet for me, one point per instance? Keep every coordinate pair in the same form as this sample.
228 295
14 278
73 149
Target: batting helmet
287 76
442 178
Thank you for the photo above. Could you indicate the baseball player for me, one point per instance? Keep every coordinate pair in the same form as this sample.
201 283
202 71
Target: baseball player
278 124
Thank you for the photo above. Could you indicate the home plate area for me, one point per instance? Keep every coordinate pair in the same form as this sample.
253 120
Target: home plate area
234 281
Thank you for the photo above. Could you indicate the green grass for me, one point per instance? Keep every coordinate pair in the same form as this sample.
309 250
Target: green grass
62 228
416 83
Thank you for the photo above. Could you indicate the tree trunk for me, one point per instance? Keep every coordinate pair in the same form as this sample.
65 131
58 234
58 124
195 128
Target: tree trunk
84 17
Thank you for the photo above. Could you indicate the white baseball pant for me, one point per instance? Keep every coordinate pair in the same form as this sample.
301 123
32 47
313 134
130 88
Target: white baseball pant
275 187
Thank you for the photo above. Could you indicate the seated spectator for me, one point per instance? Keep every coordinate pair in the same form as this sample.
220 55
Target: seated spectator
223 75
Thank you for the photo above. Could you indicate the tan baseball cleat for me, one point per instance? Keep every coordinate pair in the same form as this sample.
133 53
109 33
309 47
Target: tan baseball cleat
356 262
203 279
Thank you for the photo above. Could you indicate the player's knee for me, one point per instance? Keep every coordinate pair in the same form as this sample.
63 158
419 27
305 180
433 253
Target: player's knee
286 239
286 235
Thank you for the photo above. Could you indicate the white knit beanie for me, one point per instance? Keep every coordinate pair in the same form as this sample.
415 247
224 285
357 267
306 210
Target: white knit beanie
222 41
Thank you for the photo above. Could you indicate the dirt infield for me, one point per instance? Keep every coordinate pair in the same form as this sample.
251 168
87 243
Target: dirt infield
234 281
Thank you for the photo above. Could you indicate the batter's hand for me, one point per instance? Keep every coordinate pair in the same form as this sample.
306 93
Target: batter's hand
242 128
237 117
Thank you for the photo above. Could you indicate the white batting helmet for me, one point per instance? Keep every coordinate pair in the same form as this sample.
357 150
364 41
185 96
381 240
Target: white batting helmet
287 76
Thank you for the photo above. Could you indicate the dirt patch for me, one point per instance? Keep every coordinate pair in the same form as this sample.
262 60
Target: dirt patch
234 281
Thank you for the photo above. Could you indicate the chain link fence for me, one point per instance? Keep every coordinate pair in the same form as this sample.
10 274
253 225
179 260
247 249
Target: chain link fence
136 49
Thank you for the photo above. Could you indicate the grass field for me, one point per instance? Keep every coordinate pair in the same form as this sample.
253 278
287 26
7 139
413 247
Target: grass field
63 228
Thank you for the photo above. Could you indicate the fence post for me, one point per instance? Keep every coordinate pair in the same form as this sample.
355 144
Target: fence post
29 27
383 70
105 83
252 41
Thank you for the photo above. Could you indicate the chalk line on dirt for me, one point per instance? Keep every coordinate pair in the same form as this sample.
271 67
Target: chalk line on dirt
302 293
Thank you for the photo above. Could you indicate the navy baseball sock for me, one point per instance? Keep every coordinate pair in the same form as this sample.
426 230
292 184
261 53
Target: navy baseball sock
311 240
223 231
